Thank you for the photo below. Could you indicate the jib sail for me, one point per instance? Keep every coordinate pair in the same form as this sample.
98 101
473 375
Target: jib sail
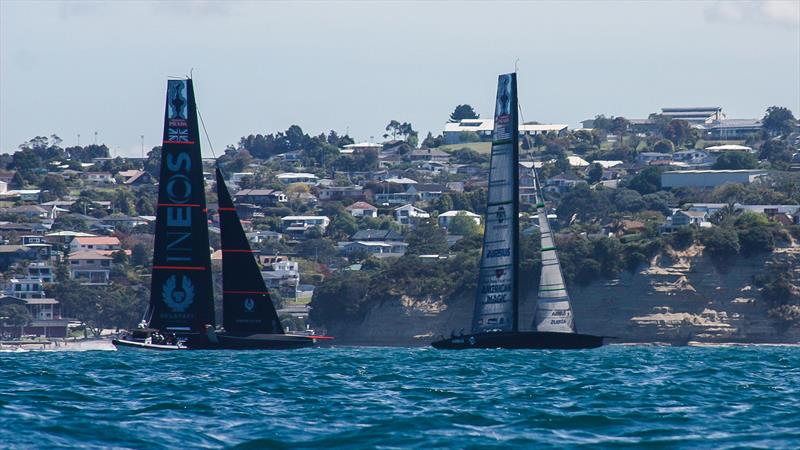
181 294
246 305
496 306
553 310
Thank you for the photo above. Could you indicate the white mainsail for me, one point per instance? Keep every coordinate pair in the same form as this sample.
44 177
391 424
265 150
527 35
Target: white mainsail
553 310
496 302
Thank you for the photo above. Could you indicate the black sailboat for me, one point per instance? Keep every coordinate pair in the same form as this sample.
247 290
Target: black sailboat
181 310
249 317
496 316
181 294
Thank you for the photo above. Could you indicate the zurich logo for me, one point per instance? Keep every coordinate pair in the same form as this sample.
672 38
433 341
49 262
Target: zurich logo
501 214
249 304
178 300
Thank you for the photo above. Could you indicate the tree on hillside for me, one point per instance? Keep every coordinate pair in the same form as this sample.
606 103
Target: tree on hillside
427 239
664 146
15 316
735 161
463 112
778 120
647 181
595 174
777 153
55 184
678 131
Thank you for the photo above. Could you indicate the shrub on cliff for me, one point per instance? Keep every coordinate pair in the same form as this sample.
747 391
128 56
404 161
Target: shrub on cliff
720 242
756 240
683 238
339 298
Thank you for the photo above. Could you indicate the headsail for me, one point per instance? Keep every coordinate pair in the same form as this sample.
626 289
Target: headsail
181 294
496 306
246 305
553 310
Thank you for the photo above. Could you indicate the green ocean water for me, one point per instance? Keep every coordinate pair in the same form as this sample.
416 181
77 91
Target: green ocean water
357 398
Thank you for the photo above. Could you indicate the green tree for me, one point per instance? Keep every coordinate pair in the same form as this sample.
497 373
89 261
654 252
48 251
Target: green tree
15 316
735 161
124 202
778 120
140 255
777 153
720 242
678 131
756 240
55 184
664 146
595 173
427 239
463 225
462 112
647 181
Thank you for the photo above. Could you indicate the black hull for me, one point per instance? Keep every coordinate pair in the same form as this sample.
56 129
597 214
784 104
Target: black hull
521 340
253 342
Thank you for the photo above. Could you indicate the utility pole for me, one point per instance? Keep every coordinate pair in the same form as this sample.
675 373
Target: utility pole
95 138
142 136
79 139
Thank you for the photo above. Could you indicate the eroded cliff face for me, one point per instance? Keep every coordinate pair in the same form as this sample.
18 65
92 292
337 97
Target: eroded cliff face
678 297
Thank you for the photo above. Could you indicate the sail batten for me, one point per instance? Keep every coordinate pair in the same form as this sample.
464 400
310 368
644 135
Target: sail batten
497 304
247 307
181 296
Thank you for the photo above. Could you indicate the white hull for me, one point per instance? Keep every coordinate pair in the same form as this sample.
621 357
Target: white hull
123 344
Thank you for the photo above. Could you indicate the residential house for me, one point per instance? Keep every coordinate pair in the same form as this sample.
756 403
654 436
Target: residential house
261 197
264 237
100 178
427 192
693 157
296 226
681 218
103 243
339 193
25 287
709 178
135 177
299 177
362 209
28 211
733 129
46 315
374 248
446 218
376 235
703 115
283 276
10 254
429 154
647 158
89 267
409 214
562 182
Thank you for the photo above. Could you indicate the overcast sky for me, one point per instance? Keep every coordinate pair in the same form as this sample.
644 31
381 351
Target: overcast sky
74 68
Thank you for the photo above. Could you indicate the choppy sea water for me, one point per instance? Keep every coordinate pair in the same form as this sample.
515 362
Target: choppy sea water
404 398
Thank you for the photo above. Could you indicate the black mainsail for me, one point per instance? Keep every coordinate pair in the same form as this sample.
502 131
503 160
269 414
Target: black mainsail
247 308
497 304
181 294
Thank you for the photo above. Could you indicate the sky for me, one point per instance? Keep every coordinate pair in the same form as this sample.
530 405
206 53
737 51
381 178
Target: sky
76 68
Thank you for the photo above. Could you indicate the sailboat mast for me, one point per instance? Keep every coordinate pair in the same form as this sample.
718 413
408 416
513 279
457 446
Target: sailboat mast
515 204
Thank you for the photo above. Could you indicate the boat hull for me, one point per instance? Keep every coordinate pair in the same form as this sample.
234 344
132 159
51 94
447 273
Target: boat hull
521 340
124 344
252 342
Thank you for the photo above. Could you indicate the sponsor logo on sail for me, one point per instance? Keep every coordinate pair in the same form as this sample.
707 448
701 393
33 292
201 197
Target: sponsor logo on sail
498 253
249 304
178 300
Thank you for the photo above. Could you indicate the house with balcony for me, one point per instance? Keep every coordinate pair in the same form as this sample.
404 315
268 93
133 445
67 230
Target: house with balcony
296 226
89 267
25 287
46 318
562 183
409 214
264 198
374 248
683 218
334 193
100 178
284 276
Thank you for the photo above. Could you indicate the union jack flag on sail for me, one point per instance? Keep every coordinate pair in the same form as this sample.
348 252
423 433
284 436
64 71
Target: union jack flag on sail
178 134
